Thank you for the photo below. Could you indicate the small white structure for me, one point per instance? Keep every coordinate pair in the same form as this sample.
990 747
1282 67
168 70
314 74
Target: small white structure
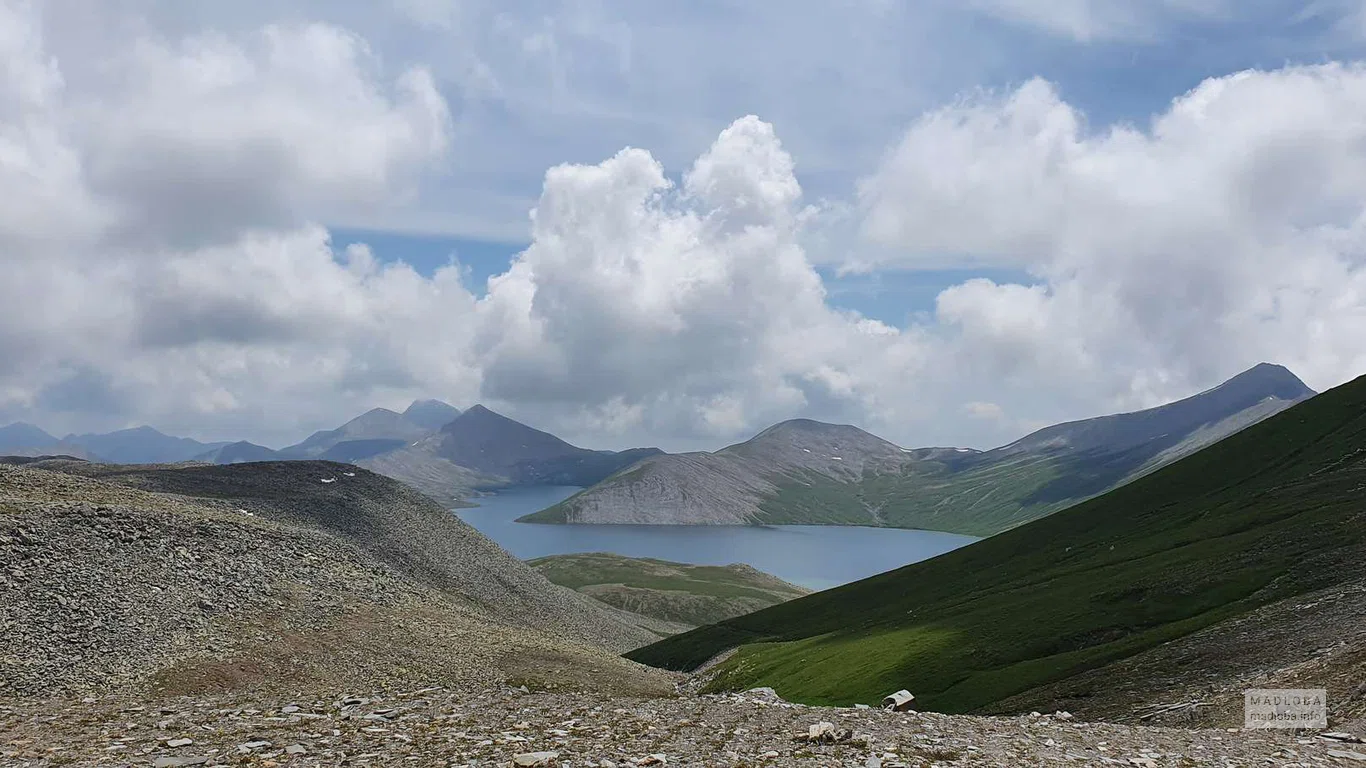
349 474
900 701
328 480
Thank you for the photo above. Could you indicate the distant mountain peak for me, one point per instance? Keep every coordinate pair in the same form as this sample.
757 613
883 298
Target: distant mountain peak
1258 384
431 414
798 429
1277 380
24 426
416 404
141 430
21 434
806 425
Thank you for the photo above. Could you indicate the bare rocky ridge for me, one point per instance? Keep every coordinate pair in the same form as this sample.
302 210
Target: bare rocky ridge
727 487
480 449
420 467
805 472
375 424
251 576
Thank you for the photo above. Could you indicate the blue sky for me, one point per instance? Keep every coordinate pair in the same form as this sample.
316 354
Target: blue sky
891 296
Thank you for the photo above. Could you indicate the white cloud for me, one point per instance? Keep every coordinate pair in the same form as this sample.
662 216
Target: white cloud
1091 20
696 304
202 137
980 410
1225 232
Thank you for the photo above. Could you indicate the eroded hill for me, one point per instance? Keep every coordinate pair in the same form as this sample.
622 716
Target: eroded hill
254 576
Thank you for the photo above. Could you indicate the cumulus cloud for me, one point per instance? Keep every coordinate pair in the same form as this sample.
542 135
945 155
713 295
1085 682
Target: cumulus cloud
697 303
1224 232
157 223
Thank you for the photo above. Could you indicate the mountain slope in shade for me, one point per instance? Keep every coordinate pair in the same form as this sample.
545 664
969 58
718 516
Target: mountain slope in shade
374 424
431 414
238 453
960 491
141 445
1233 567
21 436
482 449
494 444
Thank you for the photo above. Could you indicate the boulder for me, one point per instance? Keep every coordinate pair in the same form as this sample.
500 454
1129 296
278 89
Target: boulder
901 701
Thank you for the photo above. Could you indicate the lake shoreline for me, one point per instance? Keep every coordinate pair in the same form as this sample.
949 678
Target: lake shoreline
812 556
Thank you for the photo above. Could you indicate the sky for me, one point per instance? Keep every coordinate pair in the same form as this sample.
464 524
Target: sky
673 224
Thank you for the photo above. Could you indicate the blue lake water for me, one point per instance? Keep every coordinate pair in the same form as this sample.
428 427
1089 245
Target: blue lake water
814 556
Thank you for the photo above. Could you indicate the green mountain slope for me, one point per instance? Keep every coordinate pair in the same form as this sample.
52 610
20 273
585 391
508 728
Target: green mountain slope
1272 512
804 472
675 592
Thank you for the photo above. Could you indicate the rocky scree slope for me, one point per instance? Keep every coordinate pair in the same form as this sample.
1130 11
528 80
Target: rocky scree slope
809 473
191 579
1265 520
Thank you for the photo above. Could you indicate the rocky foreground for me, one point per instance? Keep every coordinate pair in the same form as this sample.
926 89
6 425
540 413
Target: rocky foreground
315 614
503 726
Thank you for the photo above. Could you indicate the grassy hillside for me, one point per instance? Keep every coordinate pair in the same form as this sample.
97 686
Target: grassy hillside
1271 512
684 594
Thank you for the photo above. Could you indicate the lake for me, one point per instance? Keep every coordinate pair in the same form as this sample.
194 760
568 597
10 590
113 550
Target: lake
813 556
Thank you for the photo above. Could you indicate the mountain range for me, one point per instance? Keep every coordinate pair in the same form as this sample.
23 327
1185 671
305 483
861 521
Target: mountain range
483 449
798 471
807 472
1234 567
433 446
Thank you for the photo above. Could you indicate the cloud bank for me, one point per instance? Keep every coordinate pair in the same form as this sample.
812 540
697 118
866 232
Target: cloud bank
167 261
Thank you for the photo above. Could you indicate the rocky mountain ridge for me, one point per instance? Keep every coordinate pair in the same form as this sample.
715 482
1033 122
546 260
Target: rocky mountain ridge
433 446
484 449
803 472
727 487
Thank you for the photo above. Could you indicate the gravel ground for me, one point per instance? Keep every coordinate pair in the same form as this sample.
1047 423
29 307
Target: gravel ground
502 726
